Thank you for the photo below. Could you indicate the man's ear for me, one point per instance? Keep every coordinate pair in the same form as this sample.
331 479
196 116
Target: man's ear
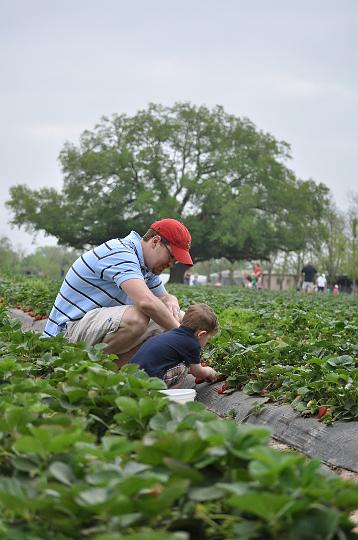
156 240
201 333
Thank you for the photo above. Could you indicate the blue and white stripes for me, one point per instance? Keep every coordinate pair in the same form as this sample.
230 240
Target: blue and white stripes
94 280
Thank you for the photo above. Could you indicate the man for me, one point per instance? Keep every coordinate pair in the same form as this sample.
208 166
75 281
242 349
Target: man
113 294
309 273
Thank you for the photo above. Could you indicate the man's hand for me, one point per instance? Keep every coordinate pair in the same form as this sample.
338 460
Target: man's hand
150 305
171 302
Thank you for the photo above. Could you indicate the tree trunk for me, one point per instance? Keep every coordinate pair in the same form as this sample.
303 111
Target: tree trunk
300 258
177 273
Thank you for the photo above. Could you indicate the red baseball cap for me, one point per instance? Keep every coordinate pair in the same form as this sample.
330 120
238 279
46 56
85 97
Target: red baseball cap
178 237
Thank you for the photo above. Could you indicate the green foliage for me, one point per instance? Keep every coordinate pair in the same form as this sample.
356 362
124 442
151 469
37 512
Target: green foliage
88 451
217 172
29 293
48 261
290 347
9 259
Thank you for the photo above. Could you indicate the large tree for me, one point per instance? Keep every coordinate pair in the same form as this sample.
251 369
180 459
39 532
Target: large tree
225 179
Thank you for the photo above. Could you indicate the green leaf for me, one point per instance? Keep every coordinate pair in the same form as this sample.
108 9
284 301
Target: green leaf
263 505
92 497
210 493
128 406
29 444
316 524
62 472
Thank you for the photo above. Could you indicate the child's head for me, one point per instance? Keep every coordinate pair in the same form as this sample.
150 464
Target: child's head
202 320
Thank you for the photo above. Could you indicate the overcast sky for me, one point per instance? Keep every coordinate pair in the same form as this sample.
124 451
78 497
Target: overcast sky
289 66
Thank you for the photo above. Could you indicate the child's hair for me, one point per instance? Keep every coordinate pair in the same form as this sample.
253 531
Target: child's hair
201 317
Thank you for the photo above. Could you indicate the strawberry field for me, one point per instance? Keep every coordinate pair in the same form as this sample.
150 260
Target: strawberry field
88 451
294 348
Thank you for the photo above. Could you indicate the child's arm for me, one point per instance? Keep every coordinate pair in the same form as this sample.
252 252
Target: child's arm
203 372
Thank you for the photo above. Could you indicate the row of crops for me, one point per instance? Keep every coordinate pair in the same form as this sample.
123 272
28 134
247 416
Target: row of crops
292 348
295 348
88 451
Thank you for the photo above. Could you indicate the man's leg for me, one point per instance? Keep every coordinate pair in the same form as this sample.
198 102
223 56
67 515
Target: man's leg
122 328
123 358
128 334
134 329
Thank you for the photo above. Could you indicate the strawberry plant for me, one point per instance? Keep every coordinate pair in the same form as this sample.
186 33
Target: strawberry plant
289 347
88 451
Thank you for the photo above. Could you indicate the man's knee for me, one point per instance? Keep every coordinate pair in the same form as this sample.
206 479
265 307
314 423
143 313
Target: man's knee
134 322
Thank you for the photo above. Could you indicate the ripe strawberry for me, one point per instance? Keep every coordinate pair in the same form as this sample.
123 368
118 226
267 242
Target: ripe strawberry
322 411
223 388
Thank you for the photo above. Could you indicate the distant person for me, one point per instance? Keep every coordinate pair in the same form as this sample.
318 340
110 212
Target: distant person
257 275
308 272
218 282
196 279
247 281
321 283
113 294
173 354
187 276
335 289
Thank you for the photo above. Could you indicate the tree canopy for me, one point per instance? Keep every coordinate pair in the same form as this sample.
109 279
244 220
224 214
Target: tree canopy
227 181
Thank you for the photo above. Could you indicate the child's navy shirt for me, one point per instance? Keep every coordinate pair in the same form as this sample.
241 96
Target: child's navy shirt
160 353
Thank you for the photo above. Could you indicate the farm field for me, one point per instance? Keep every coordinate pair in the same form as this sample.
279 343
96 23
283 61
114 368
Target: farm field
91 452
295 348
292 348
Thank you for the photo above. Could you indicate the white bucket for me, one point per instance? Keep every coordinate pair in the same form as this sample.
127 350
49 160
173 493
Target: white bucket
180 395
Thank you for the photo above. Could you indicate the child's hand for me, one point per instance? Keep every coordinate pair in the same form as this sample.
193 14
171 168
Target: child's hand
209 374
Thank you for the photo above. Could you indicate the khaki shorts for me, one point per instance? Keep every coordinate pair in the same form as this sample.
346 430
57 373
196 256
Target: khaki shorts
100 322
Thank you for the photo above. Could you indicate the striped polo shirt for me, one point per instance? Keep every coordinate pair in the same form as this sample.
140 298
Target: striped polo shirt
94 281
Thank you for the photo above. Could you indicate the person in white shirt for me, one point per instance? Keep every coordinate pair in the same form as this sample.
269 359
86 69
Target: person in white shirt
321 283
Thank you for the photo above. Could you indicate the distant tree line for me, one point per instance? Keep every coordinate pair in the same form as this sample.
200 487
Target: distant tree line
228 182
49 261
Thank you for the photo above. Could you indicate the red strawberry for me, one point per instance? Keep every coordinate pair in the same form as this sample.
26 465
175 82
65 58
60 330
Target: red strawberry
223 388
322 411
198 380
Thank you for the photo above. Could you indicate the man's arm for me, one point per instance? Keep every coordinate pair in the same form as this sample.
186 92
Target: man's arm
149 304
